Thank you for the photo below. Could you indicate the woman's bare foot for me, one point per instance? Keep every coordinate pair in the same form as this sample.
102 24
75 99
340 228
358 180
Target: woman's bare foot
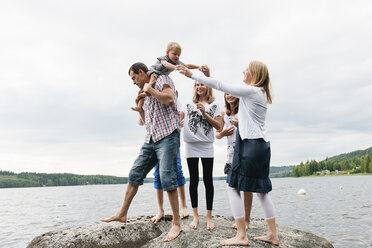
194 223
173 233
236 227
210 225
157 218
235 241
268 239
184 213
116 217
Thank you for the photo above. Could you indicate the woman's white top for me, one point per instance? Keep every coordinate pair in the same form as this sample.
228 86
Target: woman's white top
252 106
230 139
198 133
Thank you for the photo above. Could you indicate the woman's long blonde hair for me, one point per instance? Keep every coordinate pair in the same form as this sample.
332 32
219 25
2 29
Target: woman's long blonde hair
260 77
210 97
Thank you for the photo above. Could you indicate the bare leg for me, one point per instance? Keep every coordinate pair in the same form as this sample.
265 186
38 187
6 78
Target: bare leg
210 225
160 198
241 235
195 220
181 194
176 225
248 198
271 236
121 215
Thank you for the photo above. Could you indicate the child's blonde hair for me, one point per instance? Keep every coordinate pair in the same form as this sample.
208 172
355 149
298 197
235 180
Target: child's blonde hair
210 97
173 46
261 78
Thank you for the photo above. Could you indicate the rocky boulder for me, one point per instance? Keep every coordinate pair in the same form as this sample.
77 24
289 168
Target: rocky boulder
141 232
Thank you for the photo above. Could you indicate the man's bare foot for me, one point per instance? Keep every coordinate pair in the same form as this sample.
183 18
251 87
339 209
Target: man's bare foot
116 217
157 218
173 233
236 227
235 241
184 213
210 225
194 223
267 239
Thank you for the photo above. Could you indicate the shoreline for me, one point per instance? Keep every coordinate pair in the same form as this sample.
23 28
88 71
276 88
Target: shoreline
215 179
337 175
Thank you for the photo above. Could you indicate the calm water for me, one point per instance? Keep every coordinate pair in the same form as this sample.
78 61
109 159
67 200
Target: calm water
344 217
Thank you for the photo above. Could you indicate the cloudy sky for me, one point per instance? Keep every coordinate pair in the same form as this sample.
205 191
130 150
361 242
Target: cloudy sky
65 94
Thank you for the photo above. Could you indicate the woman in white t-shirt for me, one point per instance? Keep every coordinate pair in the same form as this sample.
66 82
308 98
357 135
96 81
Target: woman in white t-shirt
200 117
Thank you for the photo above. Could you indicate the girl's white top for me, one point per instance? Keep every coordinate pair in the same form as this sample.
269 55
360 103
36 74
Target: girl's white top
230 139
196 128
198 133
252 106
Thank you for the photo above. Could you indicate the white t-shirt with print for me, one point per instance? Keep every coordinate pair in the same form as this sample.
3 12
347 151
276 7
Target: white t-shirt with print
198 133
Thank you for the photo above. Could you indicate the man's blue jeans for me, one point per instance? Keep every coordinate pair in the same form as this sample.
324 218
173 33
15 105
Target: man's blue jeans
163 152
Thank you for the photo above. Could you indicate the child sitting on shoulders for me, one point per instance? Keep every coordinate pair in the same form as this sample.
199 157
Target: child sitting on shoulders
164 66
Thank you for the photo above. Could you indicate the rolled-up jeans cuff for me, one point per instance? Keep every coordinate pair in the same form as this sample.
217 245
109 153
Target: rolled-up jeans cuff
135 183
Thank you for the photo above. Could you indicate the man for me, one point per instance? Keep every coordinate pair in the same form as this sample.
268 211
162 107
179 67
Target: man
159 112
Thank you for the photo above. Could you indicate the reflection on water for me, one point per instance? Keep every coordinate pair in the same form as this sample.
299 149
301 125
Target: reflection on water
343 217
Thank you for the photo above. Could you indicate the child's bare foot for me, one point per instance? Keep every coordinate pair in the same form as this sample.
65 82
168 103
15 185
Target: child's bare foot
157 218
173 233
268 239
116 217
184 213
235 241
236 227
210 225
138 109
194 223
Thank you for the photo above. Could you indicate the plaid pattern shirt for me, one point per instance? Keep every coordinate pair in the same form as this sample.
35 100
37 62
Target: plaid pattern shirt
160 119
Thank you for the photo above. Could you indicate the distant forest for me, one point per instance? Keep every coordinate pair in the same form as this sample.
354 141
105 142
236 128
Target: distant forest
25 179
347 163
354 162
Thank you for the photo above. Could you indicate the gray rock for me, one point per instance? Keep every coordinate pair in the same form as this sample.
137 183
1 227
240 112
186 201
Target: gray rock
141 232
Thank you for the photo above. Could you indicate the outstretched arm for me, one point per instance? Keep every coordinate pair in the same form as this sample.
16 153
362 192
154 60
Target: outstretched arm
168 65
191 66
235 90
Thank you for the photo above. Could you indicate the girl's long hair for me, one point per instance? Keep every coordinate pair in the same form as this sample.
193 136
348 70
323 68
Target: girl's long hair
229 110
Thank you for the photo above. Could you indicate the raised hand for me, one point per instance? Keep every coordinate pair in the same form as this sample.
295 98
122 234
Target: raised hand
184 70
205 70
201 108
235 122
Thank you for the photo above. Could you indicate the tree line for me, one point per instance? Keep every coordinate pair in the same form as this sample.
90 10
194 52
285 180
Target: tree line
352 164
10 179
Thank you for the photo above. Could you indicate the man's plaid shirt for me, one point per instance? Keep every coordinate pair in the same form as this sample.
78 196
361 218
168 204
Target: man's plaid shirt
160 119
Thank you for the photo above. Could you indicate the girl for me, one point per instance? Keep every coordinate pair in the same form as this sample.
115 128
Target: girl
251 161
230 122
200 117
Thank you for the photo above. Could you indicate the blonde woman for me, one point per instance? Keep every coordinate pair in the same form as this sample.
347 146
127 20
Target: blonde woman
251 161
199 118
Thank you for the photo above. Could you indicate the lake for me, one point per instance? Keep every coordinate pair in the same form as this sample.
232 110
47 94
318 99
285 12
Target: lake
342 216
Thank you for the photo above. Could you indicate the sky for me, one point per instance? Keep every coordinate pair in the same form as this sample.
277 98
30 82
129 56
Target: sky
65 93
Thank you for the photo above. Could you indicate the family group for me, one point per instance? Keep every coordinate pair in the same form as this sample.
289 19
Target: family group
200 120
